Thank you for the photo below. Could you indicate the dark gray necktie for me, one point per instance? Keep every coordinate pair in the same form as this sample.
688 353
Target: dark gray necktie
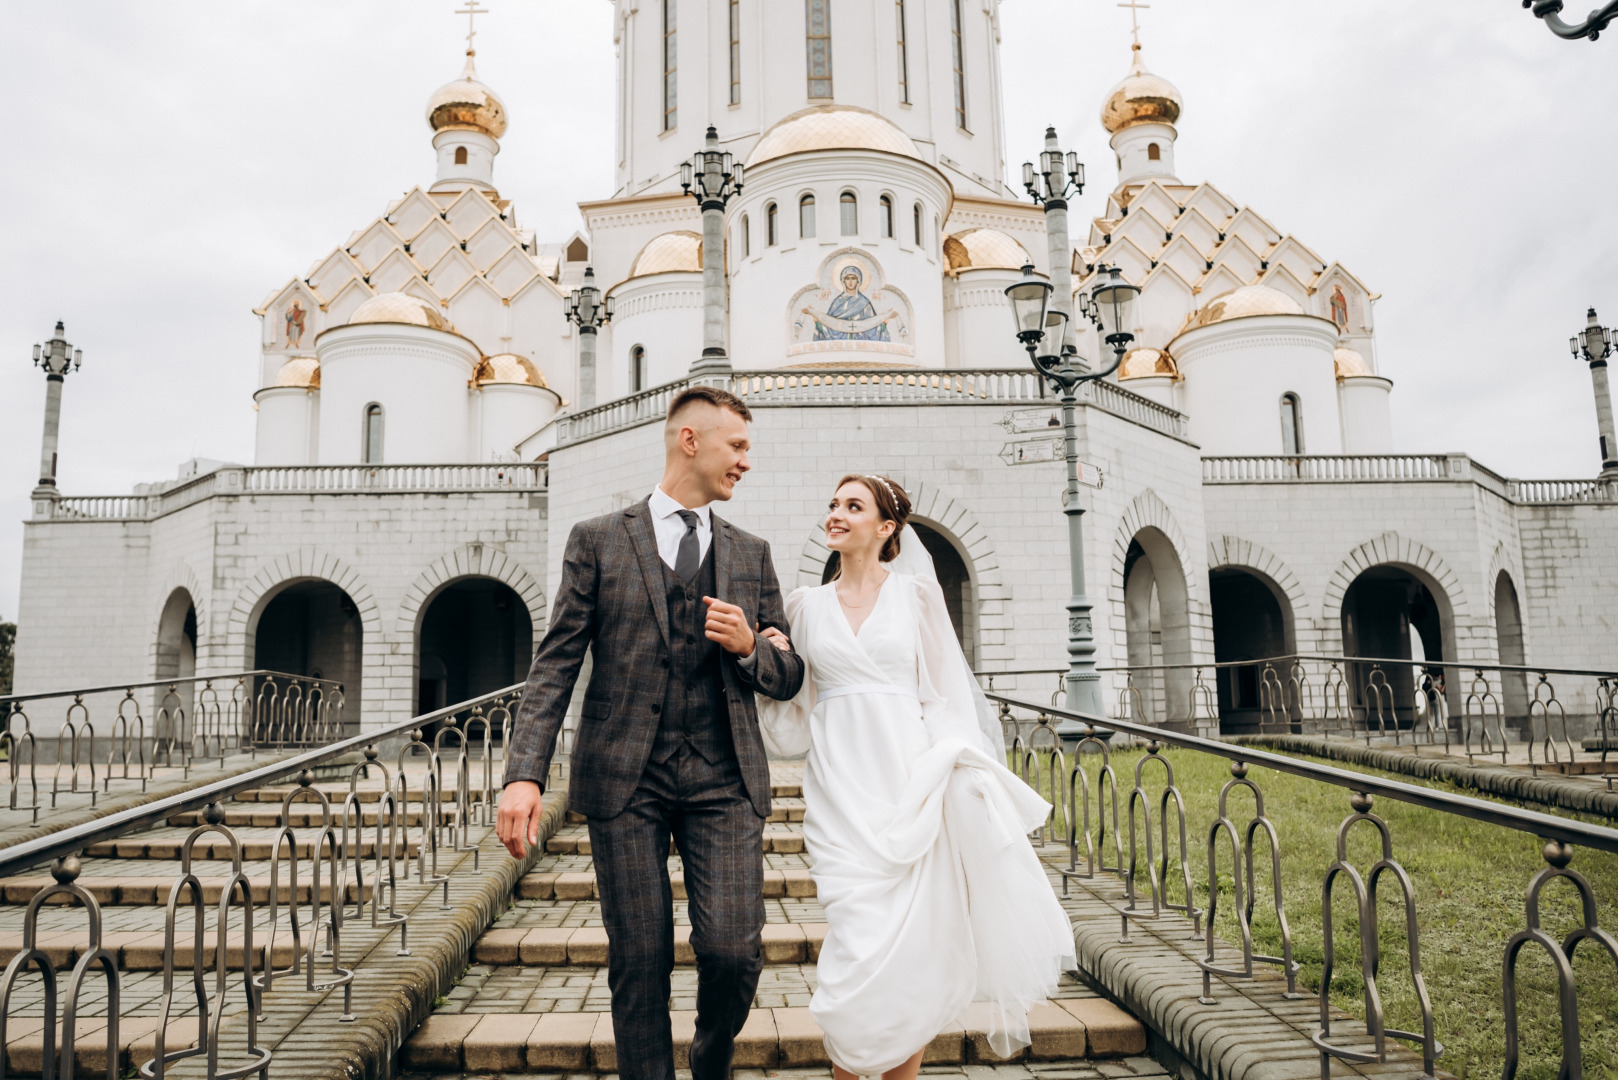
689 557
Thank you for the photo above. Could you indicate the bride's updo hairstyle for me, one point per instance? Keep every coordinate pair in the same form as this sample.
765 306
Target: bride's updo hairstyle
891 502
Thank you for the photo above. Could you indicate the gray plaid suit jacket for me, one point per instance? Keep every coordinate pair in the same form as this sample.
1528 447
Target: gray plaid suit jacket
611 600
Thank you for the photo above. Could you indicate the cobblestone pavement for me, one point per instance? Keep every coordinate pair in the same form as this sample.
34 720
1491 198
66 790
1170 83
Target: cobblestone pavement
1034 1070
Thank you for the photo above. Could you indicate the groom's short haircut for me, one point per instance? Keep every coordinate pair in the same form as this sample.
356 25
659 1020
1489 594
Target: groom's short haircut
711 395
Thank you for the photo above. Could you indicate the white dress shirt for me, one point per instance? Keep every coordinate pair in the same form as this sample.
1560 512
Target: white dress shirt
669 528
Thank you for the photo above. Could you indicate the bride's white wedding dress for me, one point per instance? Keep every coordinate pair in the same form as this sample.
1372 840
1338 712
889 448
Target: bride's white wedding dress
917 830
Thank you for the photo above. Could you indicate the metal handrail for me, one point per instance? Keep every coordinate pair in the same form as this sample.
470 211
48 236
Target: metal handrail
1527 669
24 856
115 687
1544 826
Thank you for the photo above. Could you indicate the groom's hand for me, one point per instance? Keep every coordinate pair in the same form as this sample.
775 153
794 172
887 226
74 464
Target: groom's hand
727 624
517 824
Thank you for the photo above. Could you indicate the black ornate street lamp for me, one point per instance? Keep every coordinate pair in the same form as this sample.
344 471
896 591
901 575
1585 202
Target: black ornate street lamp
1591 27
1042 330
712 178
589 311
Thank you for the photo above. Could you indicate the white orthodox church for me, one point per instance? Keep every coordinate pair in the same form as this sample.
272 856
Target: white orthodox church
427 433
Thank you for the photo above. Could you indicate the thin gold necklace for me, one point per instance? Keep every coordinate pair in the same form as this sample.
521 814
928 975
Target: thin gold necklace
868 603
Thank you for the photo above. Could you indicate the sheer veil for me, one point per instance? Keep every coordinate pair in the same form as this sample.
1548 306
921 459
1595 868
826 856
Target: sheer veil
914 561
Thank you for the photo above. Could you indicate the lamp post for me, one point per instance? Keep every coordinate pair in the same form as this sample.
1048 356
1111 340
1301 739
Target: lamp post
57 357
1594 346
589 311
1042 329
1591 27
1049 183
711 177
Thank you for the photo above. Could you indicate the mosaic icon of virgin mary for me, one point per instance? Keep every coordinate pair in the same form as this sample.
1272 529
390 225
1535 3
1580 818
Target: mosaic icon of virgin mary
851 316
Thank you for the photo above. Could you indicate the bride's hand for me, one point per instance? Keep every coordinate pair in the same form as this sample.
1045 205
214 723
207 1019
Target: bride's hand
776 638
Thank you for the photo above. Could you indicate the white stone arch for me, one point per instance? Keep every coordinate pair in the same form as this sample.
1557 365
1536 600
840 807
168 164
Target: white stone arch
1391 549
1148 510
471 560
286 569
1509 631
180 575
1228 552
953 519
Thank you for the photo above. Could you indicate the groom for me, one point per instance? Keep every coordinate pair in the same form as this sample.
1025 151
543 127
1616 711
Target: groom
667 597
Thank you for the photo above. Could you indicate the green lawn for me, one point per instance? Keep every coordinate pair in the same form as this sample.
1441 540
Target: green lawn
1470 884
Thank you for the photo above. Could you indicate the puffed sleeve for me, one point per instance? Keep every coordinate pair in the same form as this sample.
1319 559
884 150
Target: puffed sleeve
785 724
952 705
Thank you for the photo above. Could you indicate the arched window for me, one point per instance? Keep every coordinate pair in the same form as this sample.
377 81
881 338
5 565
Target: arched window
746 237
806 217
848 209
735 52
371 435
904 57
771 237
460 155
637 369
671 99
1291 424
887 218
935 238
1154 152
958 55
915 216
817 34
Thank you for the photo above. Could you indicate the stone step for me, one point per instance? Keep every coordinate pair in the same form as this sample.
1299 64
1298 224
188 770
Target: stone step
217 848
777 841
111 890
581 884
1067 1030
137 1043
143 950
301 816
784 943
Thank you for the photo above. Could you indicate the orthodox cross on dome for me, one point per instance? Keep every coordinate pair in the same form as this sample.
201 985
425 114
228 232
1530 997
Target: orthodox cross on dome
1135 7
472 11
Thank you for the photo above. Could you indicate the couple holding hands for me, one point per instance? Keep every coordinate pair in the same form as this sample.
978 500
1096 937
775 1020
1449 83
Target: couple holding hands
934 898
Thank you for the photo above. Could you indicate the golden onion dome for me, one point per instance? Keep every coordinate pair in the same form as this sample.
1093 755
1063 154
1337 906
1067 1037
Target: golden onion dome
396 307
1142 98
673 251
467 105
976 249
1144 363
1349 363
299 371
507 368
831 127
1243 303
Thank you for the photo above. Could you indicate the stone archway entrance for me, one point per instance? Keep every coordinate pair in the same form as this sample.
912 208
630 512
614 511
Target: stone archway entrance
474 636
1508 633
1157 629
312 628
1252 620
1392 613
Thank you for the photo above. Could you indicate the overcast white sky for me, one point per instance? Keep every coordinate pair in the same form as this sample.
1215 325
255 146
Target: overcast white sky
166 165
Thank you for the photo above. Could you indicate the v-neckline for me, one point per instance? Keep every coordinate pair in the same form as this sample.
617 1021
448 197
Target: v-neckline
880 590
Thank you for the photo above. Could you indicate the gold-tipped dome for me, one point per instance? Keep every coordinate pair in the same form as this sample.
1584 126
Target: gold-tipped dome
976 249
507 368
1144 363
1242 303
1142 98
831 127
300 371
398 307
467 105
673 251
1349 363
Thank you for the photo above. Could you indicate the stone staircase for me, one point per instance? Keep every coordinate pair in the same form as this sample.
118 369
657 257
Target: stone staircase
535 999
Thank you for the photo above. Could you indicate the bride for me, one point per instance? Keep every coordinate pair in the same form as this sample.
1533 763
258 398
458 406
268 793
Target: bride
934 898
